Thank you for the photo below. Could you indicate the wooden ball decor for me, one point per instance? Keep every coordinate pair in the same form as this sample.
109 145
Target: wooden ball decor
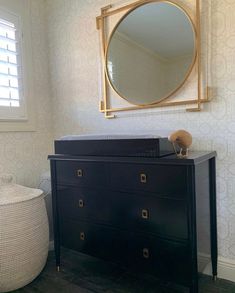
183 140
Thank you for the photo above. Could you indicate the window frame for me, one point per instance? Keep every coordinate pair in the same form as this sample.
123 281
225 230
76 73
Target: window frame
26 121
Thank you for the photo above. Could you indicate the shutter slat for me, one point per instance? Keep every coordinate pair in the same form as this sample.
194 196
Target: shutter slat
8 87
9 103
10 75
8 40
9 63
7 52
8 99
7 27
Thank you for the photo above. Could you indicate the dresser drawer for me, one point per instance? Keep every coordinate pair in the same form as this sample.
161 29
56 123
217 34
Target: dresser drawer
160 257
161 216
85 204
81 173
152 215
164 180
138 252
95 240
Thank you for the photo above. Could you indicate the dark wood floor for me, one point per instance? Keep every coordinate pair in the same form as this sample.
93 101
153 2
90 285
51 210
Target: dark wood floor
83 274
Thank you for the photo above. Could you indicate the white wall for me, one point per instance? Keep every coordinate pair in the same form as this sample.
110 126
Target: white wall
75 72
24 154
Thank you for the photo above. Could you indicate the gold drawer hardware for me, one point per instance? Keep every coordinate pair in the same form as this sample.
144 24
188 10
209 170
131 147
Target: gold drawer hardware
82 236
145 214
145 253
143 178
81 203
79 173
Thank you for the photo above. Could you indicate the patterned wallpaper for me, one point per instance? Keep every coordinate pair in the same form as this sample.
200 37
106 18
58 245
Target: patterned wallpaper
24 154
75 76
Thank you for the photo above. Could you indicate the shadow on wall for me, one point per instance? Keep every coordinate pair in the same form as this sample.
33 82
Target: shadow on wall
45 185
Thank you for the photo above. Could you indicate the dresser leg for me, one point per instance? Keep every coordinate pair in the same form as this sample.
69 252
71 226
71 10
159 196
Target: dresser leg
194 288
55 216
57 253
213 218
57 257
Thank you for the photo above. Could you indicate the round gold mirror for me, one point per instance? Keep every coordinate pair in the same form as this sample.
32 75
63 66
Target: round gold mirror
151 52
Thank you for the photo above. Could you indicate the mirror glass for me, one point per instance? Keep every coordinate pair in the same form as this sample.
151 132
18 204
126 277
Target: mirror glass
151 52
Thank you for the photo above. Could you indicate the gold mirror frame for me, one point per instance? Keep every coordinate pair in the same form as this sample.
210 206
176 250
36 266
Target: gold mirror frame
172 92
101 21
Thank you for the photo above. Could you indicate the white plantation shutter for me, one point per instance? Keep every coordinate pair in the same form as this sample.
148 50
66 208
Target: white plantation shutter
11 76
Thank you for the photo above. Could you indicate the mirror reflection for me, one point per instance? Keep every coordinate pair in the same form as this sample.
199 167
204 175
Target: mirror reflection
151 52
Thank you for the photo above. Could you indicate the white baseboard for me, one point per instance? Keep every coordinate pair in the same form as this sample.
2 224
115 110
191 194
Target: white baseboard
226 267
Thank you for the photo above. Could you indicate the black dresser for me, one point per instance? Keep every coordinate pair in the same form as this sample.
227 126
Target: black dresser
152 214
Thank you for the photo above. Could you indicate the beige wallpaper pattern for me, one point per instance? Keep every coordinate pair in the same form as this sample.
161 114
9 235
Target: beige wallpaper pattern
24 154
75 75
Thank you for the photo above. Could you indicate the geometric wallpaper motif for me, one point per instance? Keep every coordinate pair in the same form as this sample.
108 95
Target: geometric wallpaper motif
75 68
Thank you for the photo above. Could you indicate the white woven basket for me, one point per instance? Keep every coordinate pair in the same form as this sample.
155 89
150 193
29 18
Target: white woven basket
24 234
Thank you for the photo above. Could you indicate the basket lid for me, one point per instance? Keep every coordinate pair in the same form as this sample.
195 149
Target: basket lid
13 193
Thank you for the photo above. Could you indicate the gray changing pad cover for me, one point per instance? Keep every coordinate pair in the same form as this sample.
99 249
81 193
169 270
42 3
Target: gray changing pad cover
114 136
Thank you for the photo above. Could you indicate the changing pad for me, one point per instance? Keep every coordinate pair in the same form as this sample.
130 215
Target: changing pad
106 137
130 145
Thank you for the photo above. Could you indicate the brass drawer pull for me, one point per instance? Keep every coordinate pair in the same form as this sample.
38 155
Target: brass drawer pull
145 214
82 236
81 203
143 178
145 253
79 173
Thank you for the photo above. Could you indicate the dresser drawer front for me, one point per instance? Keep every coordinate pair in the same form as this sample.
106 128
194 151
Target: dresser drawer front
85 204
160 257
81 173
164 180
138 252
161 216
95 240
152 215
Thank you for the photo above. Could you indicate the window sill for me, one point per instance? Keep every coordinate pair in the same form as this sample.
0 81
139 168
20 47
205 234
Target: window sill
17 125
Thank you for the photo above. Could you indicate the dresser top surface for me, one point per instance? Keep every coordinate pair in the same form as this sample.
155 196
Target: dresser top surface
194 158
